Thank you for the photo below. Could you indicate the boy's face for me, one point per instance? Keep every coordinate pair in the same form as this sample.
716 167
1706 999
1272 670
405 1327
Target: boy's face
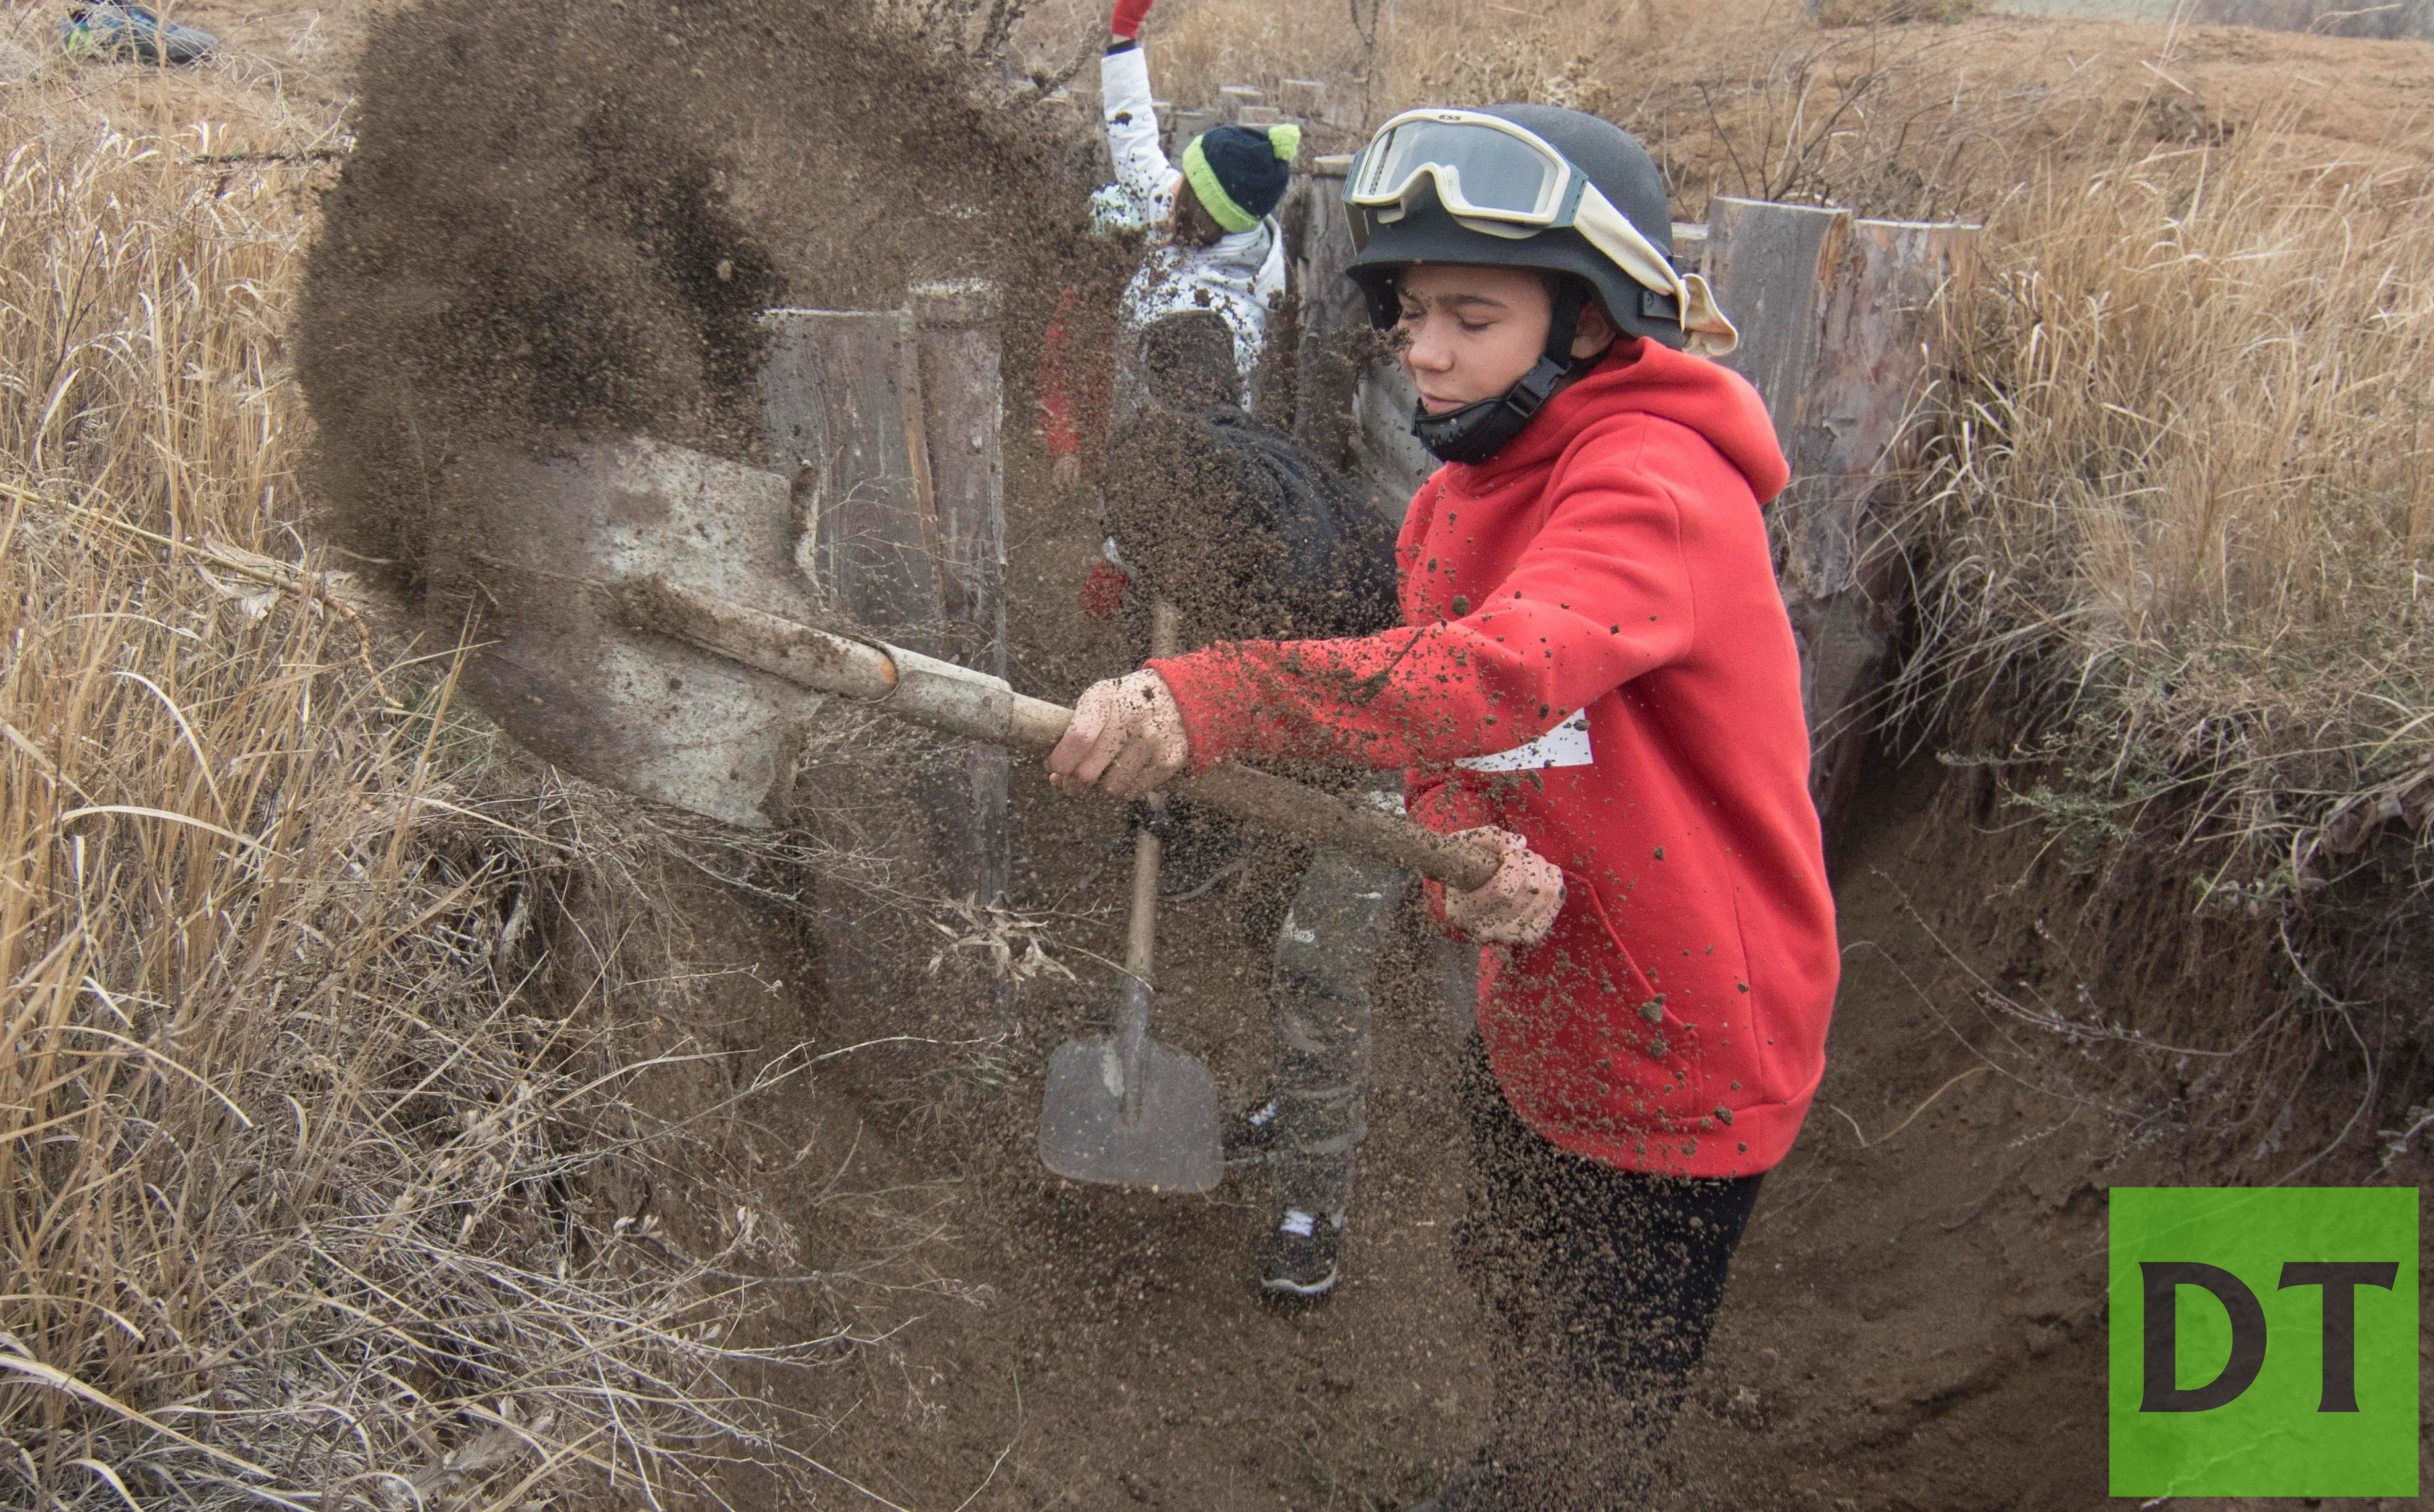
1469 333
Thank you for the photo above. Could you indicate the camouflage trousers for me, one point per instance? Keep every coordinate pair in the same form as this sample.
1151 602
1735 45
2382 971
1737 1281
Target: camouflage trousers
1323 986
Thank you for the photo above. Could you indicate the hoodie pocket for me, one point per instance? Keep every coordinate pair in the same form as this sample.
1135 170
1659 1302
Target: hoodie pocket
1659 1066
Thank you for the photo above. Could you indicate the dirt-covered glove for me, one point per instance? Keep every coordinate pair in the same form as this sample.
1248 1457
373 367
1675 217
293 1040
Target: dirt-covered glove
1128 18
1520 903
1126 738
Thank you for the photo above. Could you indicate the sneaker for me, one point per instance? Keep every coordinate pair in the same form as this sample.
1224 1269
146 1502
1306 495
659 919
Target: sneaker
115 33
1252 1138
1296 1258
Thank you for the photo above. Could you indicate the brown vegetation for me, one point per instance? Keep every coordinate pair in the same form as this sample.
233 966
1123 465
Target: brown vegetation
318 1123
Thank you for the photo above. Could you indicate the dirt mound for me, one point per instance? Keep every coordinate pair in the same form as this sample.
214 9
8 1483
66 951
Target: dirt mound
561 220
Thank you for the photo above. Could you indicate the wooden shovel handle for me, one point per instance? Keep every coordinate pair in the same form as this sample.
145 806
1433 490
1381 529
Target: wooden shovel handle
955 700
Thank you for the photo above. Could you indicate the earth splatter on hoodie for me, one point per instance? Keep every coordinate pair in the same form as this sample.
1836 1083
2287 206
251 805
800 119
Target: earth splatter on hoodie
1595 655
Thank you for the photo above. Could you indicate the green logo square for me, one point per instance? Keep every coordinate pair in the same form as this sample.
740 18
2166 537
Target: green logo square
2264 1341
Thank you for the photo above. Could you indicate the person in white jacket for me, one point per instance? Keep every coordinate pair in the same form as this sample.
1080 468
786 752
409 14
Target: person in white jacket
1217 245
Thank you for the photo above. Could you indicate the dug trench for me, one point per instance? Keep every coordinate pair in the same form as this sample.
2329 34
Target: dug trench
1917 1319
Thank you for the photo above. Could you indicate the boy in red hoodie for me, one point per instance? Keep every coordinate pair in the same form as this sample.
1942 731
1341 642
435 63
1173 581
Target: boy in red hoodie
1596 673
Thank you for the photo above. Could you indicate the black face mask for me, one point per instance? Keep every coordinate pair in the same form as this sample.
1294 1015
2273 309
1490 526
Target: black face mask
1479 430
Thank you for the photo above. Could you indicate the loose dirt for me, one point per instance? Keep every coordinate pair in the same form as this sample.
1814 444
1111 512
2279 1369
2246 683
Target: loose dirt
1915 1319
562 221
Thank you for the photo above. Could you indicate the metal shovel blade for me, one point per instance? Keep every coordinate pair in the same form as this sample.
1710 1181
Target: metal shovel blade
1169 1141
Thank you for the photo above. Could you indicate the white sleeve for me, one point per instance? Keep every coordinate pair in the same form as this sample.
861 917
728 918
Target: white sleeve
1131 127
1268 287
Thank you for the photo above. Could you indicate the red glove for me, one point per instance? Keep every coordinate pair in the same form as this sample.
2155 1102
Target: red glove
1103 591
1128 18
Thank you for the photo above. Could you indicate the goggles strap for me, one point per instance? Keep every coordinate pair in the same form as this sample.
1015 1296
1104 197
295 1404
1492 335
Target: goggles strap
1709 334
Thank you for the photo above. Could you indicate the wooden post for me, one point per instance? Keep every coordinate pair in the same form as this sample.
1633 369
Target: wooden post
1185 124
841 400
1330 307
963 409
1879 352
1840 335
1351 408
888 422
1307 98
1778 263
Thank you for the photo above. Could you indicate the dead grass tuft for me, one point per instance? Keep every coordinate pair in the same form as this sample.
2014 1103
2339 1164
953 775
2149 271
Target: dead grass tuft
2184 520
311 1095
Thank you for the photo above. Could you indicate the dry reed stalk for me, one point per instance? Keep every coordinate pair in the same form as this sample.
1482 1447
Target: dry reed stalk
300 1117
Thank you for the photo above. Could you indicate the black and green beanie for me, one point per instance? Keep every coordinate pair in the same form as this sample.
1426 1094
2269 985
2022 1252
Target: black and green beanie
1239 171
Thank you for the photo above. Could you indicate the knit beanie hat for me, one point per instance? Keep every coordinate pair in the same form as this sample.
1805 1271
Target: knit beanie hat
1239 171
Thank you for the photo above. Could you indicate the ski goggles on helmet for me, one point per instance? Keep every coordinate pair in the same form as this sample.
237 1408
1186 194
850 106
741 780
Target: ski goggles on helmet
1499 179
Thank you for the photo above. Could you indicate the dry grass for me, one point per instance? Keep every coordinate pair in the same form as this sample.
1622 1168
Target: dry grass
2186 510
313 1098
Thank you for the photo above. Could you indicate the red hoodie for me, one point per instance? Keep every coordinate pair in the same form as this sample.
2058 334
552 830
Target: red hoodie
1612 558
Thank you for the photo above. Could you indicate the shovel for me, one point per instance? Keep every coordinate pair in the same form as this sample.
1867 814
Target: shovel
1125 1110
663 629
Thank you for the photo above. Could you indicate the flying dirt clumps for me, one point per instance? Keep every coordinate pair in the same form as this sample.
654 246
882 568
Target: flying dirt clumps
562 219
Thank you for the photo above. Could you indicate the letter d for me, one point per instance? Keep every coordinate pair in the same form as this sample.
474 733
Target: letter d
2161 1282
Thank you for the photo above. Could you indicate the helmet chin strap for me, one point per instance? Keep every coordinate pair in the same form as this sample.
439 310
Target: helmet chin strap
1479 430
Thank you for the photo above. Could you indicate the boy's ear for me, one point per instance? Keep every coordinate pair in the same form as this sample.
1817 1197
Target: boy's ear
1595 333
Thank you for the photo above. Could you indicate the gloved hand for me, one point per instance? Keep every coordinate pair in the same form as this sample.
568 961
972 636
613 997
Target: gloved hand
1520 903
1126 738
1128 18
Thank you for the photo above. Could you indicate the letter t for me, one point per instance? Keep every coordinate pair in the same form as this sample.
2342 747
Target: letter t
2340 1280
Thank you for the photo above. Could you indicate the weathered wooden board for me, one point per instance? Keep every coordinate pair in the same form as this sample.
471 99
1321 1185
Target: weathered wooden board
1772 266
1840 330
890 422
1351 408
1878 350
964 412
840 403
1182 126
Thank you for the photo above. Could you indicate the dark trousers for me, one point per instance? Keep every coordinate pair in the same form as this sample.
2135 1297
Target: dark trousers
1607 1283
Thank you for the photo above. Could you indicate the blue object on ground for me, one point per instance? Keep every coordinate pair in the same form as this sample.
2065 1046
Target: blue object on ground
121 32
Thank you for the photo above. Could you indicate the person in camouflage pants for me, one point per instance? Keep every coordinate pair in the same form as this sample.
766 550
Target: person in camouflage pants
1250 536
